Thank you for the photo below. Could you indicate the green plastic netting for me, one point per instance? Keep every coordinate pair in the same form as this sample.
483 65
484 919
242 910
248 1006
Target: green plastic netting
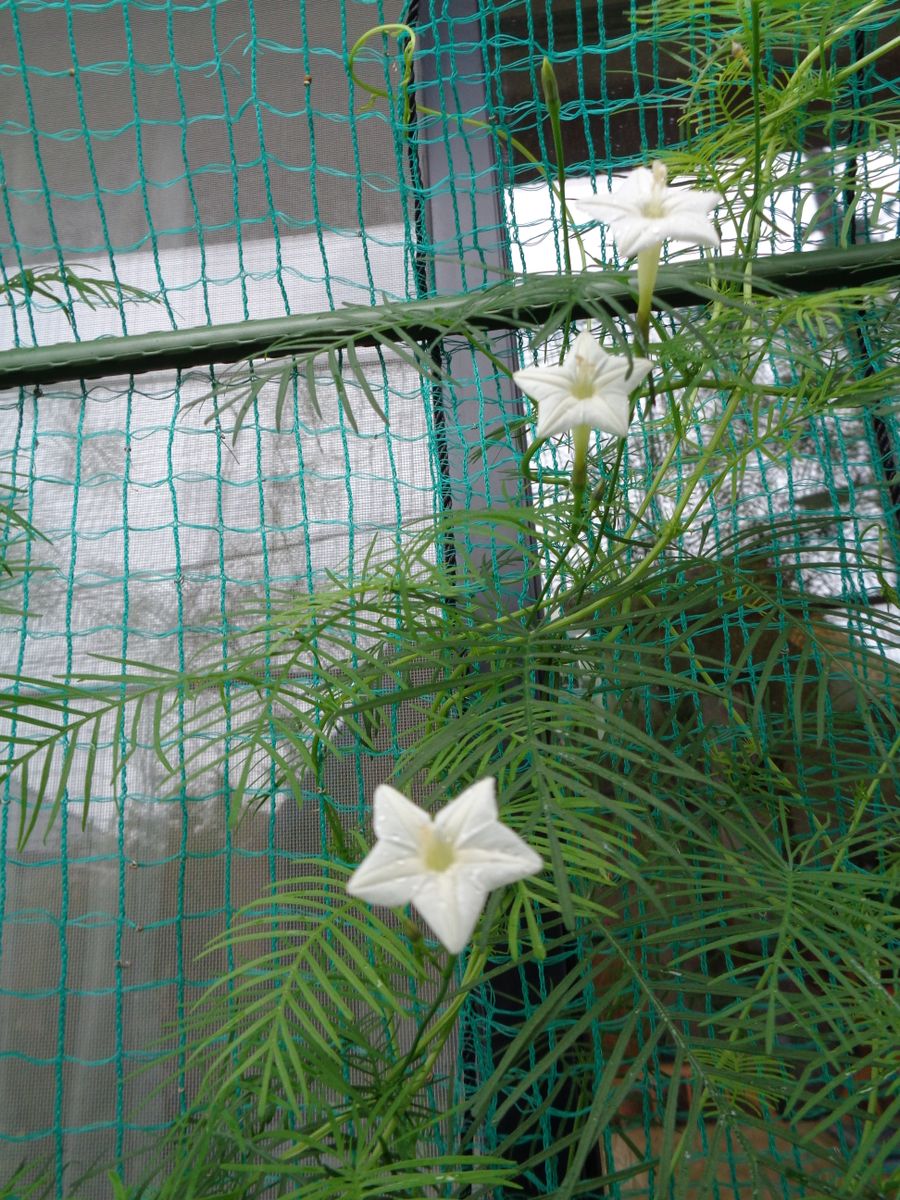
218 156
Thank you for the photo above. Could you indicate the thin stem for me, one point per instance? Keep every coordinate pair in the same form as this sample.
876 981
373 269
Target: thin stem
446 977
672 527
863 803
610 485
861 63
545 477
647 271
756 83
551 98
662 473
806 64
437 1038
409 48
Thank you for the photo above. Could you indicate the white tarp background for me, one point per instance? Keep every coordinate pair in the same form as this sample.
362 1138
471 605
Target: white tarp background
159 531
222 157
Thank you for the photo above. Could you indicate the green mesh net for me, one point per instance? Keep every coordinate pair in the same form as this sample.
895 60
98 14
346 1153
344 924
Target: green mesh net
219 157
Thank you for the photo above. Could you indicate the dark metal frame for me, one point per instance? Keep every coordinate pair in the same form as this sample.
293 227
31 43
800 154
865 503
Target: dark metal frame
682 286
456 156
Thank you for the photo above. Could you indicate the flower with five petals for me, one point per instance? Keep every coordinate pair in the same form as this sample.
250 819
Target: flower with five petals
591 389
444 866
643 212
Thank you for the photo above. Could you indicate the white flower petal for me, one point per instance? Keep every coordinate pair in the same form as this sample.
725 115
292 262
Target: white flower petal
691 227
496 857
610 208
612 375
451 903
543 383
587 348
634 234
398 820
385 876
609 414
638 371
638 185
471 811
687 200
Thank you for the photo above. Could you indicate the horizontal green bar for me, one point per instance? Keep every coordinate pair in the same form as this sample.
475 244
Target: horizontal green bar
526 303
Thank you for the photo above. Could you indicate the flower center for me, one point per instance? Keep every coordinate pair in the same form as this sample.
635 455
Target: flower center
582 379
437 852
654 207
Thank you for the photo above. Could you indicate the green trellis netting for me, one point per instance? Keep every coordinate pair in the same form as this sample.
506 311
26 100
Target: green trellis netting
218 156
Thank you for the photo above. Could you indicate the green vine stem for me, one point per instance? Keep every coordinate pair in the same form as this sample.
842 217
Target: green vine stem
551 99
863 802
525 466
435 1038
672 528
409 49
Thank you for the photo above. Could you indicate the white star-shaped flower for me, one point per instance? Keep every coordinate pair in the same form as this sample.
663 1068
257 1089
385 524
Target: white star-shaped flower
590 388
445 866
643 211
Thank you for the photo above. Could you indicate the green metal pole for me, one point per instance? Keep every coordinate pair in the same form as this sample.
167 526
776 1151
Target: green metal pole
517 303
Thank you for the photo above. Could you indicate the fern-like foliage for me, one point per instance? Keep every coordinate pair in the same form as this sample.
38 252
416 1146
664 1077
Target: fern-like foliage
715 810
